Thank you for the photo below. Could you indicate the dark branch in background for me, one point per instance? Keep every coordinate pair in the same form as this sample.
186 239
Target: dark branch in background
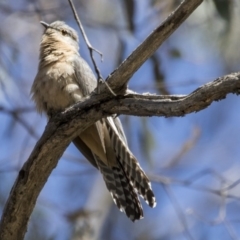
159 78
15 114
63 127
130 6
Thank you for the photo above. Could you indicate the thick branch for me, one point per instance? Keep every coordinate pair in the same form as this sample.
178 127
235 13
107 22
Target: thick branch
172 106
35 172
161 105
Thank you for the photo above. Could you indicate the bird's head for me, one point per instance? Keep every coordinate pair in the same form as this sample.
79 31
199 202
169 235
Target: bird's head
59 32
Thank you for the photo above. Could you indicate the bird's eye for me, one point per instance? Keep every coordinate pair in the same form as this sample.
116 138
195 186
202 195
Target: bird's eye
64 32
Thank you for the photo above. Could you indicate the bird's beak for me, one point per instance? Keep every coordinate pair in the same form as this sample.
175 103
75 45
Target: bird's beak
46 25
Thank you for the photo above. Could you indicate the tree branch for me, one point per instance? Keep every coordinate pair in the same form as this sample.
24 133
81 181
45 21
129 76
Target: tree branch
35 172
174 106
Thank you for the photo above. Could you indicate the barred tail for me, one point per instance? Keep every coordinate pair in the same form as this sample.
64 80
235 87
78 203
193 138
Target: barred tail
130 166
123 193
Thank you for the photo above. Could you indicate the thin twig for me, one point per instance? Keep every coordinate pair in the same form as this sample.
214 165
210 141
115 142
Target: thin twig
190 184
230 230
221 214
179 211
234 184
90 48
185 148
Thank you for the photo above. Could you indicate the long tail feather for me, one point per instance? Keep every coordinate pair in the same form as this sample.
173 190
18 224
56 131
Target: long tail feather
131 167
123 193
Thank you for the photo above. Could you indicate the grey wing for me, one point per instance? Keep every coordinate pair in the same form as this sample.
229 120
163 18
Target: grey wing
86 81
85 150
84 76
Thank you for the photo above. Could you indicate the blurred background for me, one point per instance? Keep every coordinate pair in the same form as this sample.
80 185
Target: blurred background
193 161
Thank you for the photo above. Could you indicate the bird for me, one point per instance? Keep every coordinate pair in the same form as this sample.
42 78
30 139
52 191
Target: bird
65 78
